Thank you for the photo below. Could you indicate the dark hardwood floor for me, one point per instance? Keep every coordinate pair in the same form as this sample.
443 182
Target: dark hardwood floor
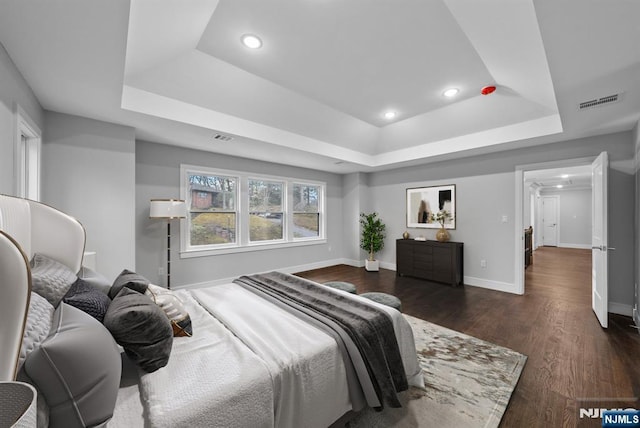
572 362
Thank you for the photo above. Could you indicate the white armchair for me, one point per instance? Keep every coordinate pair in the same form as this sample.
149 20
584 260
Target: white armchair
28 227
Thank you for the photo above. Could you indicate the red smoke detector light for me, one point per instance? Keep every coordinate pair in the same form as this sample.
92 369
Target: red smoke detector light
487 90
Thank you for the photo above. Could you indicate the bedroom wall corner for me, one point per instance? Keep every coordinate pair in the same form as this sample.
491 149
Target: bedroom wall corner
14 90
88 170
356 199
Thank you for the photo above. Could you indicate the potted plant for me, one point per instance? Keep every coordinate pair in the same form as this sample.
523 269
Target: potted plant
372 238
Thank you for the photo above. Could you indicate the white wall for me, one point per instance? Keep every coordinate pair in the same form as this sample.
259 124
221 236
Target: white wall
89 173
575 217
14 90
158 176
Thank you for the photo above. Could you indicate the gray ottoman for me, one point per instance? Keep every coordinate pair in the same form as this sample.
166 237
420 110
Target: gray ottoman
384 299
341 285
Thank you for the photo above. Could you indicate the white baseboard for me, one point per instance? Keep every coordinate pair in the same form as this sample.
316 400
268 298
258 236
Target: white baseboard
621 309
579 246
490 284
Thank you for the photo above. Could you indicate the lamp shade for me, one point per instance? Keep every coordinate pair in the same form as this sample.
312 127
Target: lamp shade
167 208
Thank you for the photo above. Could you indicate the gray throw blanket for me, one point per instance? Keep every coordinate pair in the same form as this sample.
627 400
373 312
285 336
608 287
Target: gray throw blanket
370 329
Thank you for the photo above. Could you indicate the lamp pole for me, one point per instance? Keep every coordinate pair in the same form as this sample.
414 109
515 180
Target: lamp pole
168 209
169 254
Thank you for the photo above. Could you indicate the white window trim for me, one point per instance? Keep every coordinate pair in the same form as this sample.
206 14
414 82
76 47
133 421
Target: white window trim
242 243
321 209
27 177
285 213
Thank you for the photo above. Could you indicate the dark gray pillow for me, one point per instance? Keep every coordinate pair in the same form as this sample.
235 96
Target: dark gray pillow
77 368
95 279
50 278
141 328
130 280
83 296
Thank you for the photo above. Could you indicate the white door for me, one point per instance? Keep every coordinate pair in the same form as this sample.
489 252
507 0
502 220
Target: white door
599 265
550 221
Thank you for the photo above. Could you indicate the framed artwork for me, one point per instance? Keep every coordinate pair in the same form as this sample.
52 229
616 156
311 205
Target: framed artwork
424 204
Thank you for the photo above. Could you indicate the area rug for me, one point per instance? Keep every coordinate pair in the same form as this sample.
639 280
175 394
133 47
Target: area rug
468 383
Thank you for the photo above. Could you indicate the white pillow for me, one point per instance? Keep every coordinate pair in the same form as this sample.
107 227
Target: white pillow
173 308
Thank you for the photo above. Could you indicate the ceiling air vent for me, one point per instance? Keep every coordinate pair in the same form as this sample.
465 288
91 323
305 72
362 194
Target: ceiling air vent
596 102
222 137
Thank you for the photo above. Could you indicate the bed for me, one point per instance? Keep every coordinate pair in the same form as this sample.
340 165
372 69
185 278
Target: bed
256 352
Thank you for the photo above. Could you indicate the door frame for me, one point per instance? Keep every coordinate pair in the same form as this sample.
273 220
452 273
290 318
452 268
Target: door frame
519 216
557 199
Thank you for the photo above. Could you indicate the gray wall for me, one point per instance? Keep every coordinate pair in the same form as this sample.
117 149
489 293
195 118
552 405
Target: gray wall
14 90
481 201
89 173
621 237
356 199
575 217
158 176
485 188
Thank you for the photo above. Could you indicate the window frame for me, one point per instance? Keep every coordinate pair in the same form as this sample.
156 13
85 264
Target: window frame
285 228
321 209
243 243
27 156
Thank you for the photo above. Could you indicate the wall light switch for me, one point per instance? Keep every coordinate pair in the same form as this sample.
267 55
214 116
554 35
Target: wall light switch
483 263
505 219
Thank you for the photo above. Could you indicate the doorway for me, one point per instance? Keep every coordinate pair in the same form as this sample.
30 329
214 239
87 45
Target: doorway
593 228
550 220
535 181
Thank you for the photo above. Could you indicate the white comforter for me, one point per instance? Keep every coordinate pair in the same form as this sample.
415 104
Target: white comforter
251 365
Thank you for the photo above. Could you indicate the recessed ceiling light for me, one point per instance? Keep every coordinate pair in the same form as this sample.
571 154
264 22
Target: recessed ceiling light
390 115
451 92
559 186
251 41
564 176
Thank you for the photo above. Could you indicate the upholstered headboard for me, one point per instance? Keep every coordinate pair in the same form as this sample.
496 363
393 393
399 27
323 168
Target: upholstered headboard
38 228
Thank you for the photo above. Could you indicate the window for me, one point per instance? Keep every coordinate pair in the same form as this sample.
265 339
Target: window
266 210
232 211
212 209
306 210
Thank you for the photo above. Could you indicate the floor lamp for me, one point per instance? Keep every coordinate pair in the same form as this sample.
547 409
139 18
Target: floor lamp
168 209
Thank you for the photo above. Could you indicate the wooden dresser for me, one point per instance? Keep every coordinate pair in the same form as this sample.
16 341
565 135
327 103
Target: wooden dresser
431 260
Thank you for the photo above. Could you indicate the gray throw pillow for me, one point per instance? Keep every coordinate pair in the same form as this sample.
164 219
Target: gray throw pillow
77 368
130 280
50 278
141 328
83 296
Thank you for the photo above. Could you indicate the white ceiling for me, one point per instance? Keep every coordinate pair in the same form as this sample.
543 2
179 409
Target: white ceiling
314 94
570 178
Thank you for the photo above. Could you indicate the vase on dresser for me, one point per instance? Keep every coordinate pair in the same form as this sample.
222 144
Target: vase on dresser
442 235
